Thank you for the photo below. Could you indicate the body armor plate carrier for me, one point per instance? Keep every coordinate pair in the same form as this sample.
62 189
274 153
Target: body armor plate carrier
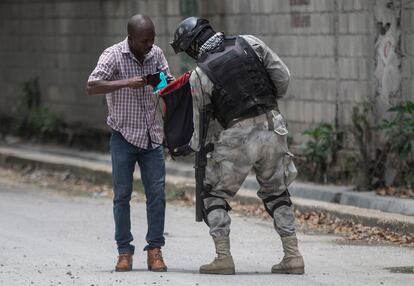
242 87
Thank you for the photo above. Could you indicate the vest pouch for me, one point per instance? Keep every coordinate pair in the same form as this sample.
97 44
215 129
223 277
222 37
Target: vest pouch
279 124
238 71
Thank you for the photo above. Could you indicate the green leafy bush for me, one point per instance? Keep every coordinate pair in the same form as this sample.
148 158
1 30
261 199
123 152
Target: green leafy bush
370 159
400 130
32 118
45 121
386 150
320 151
399 134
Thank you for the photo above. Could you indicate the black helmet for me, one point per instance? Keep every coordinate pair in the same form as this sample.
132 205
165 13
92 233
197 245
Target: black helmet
187 31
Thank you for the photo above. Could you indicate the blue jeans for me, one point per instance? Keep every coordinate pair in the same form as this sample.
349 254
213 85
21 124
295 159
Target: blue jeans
151 163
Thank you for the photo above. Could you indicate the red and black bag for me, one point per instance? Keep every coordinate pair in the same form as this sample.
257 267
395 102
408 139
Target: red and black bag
177 112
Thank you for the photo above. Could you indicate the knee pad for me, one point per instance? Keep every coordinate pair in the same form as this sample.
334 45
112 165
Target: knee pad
211 202
273 202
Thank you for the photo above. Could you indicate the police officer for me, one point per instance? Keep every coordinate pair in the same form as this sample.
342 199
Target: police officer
240 79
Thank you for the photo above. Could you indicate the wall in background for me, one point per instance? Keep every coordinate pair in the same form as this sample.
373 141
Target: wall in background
332 47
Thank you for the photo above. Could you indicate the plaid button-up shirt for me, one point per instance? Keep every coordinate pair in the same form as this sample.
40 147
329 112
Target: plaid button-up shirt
132 112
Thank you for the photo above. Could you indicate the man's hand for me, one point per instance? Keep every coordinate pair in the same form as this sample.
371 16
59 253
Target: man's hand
136 82
182 151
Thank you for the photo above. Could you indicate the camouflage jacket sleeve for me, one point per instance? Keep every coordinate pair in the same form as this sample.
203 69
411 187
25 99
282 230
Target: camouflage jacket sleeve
276 68
201 88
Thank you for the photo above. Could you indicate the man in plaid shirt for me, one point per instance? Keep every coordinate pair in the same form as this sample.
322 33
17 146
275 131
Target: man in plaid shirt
136 134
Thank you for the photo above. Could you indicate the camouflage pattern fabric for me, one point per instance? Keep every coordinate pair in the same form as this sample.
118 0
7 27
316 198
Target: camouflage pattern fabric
247 145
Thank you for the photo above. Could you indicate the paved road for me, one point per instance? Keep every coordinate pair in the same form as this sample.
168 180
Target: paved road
51 238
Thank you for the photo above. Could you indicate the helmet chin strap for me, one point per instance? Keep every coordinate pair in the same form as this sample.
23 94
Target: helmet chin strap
202 37
192 51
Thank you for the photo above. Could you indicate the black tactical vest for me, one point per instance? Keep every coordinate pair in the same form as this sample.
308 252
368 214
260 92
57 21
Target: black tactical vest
242 87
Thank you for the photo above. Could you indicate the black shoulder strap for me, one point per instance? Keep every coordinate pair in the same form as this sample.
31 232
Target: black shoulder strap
244 44
203 61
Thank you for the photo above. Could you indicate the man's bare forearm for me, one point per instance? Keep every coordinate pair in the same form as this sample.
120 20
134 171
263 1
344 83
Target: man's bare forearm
105 86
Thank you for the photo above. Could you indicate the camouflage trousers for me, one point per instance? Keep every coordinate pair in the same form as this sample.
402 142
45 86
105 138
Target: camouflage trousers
250 145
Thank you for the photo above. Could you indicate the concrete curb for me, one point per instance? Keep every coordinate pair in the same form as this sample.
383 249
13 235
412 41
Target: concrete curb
99 169
374 218
342 195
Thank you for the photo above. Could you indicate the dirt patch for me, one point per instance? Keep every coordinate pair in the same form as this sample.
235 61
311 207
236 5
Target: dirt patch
352 231
63 181
404 193
401 269
318 222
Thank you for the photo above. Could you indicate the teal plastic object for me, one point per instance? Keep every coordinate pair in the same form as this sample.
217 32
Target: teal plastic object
162 84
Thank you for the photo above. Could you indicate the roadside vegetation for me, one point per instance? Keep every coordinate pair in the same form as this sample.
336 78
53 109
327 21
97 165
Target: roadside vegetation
32 120
381 157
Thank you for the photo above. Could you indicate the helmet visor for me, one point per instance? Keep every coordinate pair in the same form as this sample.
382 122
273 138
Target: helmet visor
176 46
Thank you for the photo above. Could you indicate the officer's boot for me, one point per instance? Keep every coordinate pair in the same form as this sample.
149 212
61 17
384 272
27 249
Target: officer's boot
223 263
292 262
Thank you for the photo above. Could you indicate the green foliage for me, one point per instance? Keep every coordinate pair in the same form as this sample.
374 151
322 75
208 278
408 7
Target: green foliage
371 166
320 151
392 149
33 119
30 97
46 121
399 133
361 124
290 139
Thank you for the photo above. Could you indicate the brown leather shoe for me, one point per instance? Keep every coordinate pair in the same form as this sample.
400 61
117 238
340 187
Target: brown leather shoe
124 262
155 261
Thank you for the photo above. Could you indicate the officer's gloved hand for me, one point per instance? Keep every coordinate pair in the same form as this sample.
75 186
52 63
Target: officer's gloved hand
182 150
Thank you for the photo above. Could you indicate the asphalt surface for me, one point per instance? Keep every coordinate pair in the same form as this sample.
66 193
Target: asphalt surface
306 196
51 238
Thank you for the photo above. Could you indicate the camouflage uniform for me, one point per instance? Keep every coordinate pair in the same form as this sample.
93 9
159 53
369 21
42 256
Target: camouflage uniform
247 145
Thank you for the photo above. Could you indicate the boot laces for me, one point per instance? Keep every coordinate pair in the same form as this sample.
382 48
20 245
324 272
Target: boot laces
123 257
158 254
